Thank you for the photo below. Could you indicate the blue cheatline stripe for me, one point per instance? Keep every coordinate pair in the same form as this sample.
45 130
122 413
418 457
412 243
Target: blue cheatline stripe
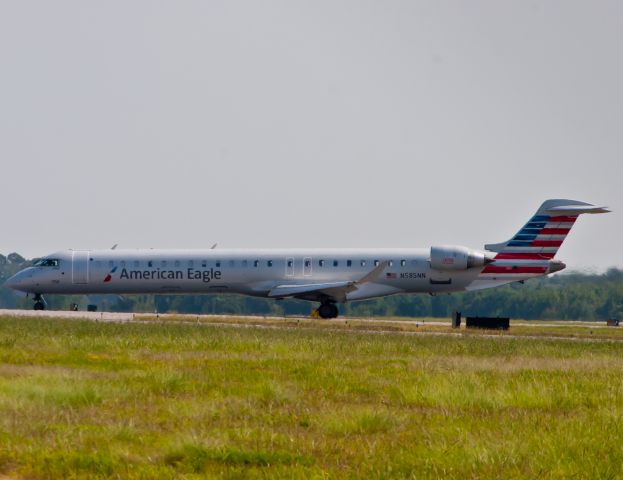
524 237
535 225
514 243
540 218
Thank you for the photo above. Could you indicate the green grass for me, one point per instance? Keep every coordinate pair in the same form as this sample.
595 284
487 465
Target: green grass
84 399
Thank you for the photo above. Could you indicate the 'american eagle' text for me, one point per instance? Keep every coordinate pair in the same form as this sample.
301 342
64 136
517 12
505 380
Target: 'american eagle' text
191 274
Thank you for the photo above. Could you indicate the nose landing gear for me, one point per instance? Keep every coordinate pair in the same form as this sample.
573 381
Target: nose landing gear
39 302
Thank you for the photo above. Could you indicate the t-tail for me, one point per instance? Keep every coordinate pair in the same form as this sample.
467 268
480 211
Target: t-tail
532 250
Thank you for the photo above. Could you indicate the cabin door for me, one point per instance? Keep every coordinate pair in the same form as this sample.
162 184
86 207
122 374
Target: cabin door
80 266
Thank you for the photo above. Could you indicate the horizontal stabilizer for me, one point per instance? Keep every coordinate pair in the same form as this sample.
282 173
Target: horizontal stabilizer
575 210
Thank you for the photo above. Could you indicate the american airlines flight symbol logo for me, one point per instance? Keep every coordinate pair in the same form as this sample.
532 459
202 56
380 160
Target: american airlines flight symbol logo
109 276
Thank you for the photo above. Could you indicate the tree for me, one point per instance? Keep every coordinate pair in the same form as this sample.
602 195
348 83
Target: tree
16 258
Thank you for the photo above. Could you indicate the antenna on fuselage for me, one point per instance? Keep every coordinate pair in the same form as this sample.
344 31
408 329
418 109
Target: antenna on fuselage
213 246
114 246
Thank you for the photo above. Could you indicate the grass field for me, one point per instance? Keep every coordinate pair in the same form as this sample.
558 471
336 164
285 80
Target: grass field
82 399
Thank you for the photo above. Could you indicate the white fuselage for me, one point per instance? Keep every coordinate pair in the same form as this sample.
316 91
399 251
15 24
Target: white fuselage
249 272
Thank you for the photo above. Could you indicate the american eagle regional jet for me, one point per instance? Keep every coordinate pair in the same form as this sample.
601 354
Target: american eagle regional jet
328 276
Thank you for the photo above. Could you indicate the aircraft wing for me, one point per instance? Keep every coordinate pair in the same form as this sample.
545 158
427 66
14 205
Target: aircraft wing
330 289
335 290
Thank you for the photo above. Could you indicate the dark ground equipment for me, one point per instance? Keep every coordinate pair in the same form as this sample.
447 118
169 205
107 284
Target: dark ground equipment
493 323
456 319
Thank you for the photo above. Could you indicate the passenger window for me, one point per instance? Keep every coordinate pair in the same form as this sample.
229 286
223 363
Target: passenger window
290 263
150 264
204 263
307 263
391 263
321 263
335 263
363 263
256 263
376 263
349 263
403 263
269 263
218 264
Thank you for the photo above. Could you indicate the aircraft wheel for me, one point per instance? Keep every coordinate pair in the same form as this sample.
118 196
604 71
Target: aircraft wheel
39 305
325 310
328 310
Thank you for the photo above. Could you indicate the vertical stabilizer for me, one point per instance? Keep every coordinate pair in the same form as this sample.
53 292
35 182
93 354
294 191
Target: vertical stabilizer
542 236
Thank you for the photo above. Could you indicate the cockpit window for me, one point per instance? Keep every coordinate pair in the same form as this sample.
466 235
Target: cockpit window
47 262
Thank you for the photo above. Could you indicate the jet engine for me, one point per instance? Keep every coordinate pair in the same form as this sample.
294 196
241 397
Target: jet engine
455 257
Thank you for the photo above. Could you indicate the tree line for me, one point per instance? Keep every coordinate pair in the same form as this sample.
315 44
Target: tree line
566 296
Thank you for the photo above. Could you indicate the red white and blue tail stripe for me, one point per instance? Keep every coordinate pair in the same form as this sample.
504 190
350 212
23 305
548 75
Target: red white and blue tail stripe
530 252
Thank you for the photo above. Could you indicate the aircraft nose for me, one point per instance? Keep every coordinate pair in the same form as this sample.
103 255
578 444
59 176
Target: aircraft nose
13 281
19 281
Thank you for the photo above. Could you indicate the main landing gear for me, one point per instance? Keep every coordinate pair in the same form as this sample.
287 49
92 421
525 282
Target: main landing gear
328 310
39 302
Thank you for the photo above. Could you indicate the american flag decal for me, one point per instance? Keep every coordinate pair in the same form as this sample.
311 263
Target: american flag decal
533 246
391 275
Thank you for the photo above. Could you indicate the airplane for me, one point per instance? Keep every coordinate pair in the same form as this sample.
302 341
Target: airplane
327 276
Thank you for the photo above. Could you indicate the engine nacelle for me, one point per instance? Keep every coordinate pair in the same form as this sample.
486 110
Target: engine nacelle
455 257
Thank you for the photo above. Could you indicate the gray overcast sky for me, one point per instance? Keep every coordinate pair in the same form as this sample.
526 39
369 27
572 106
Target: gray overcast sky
316 123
